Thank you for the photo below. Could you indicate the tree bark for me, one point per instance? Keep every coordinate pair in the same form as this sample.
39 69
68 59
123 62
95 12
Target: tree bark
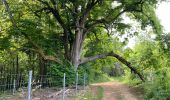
17 71
75 53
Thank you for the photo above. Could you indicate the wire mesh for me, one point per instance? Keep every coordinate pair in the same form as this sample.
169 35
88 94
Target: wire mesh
11 84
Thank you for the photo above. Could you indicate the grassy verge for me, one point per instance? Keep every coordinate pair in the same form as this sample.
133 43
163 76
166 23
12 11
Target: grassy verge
99 93
89 95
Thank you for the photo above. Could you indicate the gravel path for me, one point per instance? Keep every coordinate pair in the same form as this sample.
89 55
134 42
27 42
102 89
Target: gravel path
117 91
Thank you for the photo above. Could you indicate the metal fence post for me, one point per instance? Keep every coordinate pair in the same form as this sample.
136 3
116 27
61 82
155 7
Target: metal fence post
76 81
84 80
64 80
14 88
29 85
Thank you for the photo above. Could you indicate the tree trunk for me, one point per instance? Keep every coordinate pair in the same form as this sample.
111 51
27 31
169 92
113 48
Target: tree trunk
42 70
76 49
17 71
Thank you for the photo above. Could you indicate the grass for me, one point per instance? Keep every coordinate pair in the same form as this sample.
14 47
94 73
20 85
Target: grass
89 95
102 78
99 93
106 78
120 97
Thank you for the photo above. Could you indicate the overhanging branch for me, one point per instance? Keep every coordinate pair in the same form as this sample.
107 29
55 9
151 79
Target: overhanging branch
118 57
92 58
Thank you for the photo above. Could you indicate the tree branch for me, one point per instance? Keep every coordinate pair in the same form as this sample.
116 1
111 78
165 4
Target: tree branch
88 59
107 19
104 20
118 57
88 9
55 12
66 29
41 53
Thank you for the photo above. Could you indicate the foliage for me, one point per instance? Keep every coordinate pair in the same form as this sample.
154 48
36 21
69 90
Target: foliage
151 58
59 70
159 87
164 42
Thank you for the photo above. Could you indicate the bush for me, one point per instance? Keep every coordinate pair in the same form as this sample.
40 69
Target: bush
159 88
57 73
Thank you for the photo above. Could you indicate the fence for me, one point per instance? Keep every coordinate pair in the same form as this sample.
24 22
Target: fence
25 84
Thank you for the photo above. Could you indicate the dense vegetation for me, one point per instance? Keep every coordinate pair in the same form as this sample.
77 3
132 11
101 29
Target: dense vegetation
57 36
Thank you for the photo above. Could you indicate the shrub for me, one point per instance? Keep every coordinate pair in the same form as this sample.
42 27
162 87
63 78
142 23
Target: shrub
159 88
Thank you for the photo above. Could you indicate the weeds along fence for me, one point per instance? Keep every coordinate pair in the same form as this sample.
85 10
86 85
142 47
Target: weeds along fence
11 84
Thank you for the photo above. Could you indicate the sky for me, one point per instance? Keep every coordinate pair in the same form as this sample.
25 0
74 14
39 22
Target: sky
163 14
164 17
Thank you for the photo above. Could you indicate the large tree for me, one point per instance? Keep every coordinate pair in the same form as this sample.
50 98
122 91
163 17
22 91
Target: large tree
75 20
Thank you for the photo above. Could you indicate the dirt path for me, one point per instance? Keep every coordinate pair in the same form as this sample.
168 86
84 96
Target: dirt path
117 91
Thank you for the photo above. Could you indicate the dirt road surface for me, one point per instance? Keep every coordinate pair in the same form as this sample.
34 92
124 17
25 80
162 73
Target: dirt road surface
117 91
